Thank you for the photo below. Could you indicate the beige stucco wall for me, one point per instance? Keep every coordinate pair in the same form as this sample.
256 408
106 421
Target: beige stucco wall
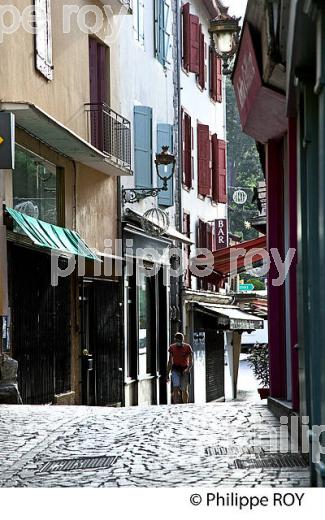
65 96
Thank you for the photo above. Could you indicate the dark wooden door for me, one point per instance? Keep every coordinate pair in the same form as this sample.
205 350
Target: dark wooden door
214 345
98 76
105 342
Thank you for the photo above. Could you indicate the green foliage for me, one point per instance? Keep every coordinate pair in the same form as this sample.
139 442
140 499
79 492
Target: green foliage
259 361
259 284
244 169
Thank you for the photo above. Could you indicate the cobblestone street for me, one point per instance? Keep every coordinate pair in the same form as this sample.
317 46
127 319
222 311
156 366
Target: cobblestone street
166 446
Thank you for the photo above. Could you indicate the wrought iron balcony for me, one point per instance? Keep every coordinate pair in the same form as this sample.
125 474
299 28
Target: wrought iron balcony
110 133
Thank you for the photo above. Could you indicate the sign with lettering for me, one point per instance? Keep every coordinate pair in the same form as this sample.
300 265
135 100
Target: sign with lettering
221 233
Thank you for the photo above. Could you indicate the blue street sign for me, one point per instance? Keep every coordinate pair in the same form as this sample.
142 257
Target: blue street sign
245 287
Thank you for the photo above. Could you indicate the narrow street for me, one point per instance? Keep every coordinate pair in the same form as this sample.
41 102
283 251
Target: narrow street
162 446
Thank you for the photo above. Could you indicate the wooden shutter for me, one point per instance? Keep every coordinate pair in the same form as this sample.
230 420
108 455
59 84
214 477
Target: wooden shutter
186 36
194 61
202 234
43 38
219 169
213 75
187 150
165 137
201 75
143 146
204 160
209 236
162 35
219 78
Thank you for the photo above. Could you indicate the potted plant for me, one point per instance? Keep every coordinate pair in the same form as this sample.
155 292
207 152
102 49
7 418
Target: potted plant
259 361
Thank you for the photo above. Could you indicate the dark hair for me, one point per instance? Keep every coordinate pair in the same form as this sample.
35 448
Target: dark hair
179 335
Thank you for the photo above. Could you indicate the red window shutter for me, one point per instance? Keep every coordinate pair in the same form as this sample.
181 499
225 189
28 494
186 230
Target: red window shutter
213 75
187 150
219 78
202 234
194 57
201 75
204 160
209 236
187 249
219 168
186 36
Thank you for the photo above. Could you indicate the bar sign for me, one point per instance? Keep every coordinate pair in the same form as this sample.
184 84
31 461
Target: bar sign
7 141
221 233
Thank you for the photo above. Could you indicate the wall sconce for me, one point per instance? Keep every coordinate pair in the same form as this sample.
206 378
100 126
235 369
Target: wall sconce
224 31
164 160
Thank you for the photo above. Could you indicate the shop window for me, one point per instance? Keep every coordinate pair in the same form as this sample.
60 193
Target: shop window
35 187
144 320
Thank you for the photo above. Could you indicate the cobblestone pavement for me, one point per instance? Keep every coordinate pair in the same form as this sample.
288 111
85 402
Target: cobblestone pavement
165 446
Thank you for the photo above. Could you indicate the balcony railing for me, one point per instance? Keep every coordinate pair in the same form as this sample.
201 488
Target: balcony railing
110 133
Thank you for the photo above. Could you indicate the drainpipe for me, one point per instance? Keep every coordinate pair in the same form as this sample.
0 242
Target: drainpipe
178 117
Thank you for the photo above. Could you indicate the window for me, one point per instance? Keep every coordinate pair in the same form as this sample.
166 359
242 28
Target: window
191 41
145 322
204 160
215 76
43 38
162 35
187 149
165 138
98 87
35 186
219 170
138 17
143 146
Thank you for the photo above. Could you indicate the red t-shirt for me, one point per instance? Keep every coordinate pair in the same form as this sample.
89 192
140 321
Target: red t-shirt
181 354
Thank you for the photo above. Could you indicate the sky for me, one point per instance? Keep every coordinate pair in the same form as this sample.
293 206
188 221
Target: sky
236 7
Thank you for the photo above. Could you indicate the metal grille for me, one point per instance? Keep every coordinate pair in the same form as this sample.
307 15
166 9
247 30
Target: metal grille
271 461
223 450
40 327
109 132
78 464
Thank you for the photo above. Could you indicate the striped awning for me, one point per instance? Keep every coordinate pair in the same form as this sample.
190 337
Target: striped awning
54 238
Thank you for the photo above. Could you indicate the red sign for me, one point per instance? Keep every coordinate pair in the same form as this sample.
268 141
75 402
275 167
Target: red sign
247 78
221 233
261 109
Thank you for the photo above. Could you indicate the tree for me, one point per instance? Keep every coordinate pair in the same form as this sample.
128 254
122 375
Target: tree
244 169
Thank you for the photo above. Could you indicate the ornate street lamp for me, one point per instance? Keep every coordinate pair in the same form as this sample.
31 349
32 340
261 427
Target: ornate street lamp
224 31
164 159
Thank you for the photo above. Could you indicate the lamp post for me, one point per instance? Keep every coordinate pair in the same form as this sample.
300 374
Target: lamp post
164 161
224 31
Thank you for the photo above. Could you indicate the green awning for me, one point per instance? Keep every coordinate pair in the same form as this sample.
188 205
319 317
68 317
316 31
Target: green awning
52 237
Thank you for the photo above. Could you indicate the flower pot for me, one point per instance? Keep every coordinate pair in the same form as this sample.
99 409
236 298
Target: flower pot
264 392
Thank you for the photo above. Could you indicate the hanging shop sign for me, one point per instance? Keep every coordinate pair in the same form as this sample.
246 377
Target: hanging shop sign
240 197
221 229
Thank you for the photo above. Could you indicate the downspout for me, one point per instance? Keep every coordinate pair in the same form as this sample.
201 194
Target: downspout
178 113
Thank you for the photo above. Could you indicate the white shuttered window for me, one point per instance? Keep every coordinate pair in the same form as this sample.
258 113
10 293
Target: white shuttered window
43 38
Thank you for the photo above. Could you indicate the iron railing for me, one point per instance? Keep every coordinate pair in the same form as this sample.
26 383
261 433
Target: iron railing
109 132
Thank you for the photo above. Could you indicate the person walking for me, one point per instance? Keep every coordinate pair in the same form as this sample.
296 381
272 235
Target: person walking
180 364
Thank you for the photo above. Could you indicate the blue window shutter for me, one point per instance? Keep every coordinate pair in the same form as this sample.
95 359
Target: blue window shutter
162 36
165 137
143 146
